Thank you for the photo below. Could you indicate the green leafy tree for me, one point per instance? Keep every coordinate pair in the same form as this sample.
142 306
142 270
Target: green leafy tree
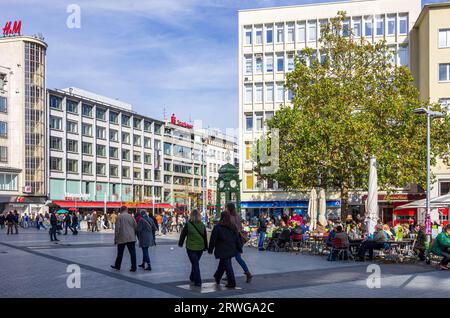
350 104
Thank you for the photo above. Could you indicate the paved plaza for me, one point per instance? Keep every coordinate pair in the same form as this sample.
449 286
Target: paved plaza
32 266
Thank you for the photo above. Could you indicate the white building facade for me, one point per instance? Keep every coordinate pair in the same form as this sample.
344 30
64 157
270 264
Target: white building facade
269 40
99 150
23 184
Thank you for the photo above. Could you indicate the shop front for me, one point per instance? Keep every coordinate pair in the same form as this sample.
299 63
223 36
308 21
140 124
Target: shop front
391 214
22 204
251 210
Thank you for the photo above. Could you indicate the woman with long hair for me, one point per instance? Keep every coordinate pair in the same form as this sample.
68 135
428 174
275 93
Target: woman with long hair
236 220
226 243
196 243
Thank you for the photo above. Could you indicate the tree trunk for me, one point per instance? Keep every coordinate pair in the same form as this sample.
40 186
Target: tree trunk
344 200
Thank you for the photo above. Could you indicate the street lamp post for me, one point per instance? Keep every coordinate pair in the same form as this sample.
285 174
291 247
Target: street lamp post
430 114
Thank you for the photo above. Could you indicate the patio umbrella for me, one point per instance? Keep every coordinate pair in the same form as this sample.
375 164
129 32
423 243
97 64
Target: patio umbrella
322 207
312 209
372 198
62 211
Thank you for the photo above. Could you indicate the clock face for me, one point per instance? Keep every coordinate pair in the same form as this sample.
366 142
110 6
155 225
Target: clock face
221 184
233 183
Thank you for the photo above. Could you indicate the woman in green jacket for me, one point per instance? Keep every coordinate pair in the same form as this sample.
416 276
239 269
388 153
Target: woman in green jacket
441 247
196 243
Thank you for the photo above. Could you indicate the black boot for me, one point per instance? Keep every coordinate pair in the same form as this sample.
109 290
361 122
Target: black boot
149 268
142 265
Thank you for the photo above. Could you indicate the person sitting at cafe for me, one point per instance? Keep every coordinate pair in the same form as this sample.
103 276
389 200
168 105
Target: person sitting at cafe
320 228
329 227
305 227
441 247
331 234
379 242
339 241
294 219
354 234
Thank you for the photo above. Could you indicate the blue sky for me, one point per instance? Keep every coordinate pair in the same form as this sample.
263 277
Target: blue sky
177 54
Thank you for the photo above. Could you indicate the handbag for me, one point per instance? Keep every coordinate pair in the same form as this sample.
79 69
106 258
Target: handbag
244 237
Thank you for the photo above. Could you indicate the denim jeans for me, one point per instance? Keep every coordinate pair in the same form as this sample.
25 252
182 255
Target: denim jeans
446 257
131 249
241 262
194 258
262 237
145 255
225 265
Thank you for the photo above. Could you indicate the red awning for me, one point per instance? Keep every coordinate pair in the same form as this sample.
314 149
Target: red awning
101 205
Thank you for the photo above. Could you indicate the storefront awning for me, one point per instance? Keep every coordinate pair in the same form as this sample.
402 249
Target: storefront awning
283 204
117 205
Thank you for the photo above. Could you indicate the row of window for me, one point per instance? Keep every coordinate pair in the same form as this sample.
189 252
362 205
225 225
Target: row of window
86 149
100 132
260 63
181 181
181 169
9 182
259 118
101 114
260 183
3 104
268 93
72 166
304 31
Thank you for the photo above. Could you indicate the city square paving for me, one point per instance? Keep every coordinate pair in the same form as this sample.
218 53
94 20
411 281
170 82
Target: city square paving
32 266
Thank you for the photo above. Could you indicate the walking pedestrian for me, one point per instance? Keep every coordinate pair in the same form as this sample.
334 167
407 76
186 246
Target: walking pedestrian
125 236
159 221
10 223
196 243
67 223
164 223
2 221
89 221
94 222
54 226
225 243
113 220
152 217
16 221
75 223
236 220
262 229
40 222
25 220
145 229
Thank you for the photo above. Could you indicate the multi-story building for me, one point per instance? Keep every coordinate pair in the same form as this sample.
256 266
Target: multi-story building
431 60
23 184
269 39
100 151
184 165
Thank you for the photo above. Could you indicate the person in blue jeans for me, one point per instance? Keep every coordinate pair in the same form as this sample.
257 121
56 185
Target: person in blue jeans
236 220
262 229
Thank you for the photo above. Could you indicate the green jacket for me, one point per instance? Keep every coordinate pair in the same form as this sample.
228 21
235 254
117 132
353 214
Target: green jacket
194 240
441 243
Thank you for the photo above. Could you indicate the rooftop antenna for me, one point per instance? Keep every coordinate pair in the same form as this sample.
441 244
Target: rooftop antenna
164 113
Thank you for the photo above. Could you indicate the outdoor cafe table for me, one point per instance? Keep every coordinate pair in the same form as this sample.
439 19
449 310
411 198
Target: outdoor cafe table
399 250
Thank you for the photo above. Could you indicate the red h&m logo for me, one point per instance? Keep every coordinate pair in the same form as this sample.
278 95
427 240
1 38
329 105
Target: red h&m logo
15 28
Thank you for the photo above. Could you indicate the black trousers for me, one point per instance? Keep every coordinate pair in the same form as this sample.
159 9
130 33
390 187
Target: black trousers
225 266
194 258
131 246
52 233
446 257
369 246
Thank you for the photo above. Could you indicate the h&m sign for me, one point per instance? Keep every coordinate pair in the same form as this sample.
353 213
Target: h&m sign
11 28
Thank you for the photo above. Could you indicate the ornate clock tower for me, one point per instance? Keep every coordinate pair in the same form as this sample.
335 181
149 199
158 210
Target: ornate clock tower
228 188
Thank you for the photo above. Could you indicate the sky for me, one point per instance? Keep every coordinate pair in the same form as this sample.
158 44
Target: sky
161 56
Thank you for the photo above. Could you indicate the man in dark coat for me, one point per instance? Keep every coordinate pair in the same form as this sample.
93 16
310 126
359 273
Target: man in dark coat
54 227
419 247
